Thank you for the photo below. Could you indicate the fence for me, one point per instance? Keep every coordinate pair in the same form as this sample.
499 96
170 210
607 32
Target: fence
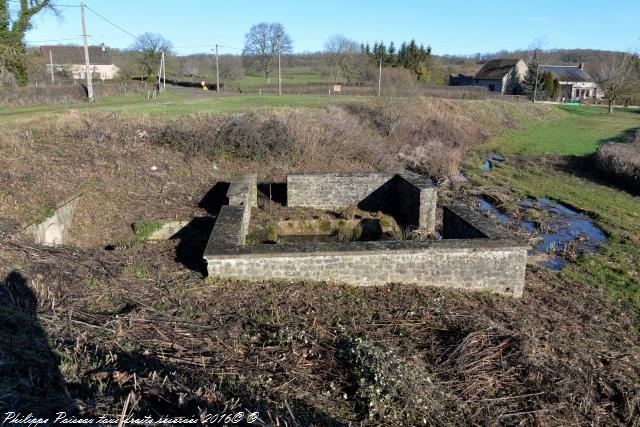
62 92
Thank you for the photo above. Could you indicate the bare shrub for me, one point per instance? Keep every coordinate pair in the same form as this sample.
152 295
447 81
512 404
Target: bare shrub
434 158
398 81
61 94
621 162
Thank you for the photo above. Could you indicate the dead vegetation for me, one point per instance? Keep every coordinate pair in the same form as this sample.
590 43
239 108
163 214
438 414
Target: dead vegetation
62 94
621 161
131 166
135 325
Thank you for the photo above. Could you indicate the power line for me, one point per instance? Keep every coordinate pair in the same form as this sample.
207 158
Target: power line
112 23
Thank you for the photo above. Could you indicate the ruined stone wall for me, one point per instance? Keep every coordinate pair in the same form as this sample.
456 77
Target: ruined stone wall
494 266
414 201
479 256
409 198
333 190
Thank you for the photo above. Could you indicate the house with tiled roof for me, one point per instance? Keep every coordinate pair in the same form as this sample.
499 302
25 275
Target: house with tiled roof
575 82
71 60
503 75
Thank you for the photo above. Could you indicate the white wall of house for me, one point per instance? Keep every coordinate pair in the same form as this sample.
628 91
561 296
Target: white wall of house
98 72
584 90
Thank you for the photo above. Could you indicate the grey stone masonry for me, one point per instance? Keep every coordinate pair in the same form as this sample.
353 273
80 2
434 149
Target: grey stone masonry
243 191
228 231
410 198
332 190
479 256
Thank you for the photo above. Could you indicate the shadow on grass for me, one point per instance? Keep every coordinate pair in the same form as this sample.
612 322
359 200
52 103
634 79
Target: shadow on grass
29 376
215 198
193 240
584 167
623 137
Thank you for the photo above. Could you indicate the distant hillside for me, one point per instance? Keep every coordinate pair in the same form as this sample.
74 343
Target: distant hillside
592 58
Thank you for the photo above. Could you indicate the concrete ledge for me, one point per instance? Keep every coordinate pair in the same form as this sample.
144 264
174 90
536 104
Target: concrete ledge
55 229
228 231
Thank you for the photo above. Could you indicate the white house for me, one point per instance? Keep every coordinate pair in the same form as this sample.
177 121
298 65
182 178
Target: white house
71 59
575 82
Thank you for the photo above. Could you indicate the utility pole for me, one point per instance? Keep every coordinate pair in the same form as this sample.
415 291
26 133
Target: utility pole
86 54
164 74
380 78
51 63
279 74
217 72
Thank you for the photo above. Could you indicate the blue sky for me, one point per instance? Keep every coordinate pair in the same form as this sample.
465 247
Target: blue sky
460 27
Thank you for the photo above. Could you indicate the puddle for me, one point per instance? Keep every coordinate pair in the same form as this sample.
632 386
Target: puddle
567 226
564 227
489 161
495 212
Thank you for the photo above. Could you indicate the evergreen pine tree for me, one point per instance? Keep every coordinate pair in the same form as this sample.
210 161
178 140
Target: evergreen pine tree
391 54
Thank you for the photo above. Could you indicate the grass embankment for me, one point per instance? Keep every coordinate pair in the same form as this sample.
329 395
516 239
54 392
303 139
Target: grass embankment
568 175
139 164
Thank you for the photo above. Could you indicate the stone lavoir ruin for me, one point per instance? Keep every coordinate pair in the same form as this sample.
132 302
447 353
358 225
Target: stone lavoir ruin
473 253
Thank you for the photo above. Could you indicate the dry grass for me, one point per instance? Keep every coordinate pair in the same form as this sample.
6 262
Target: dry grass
61 94
311 354
108 157
621 161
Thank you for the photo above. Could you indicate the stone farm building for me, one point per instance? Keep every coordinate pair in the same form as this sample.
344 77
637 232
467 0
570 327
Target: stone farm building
575 82
70 59
502 75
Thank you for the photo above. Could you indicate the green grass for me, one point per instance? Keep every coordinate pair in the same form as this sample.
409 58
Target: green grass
172 103
577 130
143 229
574 182
290 76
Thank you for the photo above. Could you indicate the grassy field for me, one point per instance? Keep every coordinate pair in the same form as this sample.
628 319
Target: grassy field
552 159
578 132
172 102
290 76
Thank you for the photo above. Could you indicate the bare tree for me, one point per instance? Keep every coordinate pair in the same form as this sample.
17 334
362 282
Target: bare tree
151 46
615 77
345 57
262 43
230 67
190 68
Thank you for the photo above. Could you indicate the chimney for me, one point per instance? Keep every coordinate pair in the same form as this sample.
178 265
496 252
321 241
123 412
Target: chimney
581 65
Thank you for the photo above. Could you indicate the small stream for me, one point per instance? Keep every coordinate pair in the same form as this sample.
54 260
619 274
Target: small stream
565 227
